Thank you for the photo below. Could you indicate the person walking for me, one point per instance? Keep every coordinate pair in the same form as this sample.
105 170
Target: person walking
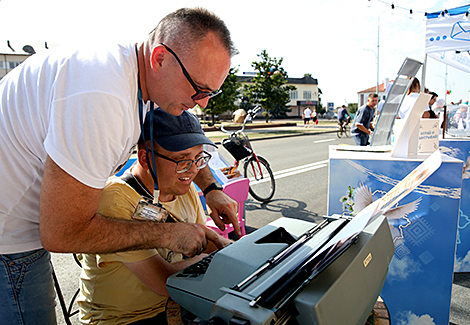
314 118
307 115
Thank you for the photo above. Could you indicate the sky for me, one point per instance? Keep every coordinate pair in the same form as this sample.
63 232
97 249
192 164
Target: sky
336 41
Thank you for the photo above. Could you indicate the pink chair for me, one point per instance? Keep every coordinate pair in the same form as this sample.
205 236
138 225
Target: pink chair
237 190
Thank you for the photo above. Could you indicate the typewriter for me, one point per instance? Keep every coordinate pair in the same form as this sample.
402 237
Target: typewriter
289 272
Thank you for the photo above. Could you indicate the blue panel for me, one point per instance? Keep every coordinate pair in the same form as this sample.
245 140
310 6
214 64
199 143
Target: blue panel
419 283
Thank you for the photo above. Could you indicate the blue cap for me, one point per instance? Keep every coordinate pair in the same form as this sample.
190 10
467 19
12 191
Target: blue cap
175 133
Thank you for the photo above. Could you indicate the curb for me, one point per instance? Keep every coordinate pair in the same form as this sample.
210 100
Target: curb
251 126
281 136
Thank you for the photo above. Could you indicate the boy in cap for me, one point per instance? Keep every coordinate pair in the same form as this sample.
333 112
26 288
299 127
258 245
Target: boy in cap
130 286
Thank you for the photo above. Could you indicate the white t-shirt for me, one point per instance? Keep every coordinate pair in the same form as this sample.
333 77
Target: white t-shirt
307 113
78 107
407 104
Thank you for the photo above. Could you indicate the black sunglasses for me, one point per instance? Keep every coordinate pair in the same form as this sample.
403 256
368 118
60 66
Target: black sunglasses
199 93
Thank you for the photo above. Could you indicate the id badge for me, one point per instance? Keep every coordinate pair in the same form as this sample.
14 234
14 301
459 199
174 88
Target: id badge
146 210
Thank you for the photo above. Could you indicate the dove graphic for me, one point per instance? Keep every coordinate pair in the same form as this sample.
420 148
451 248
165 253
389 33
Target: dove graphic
397 217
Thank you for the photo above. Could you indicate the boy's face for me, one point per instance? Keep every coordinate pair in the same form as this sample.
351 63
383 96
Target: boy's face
173 183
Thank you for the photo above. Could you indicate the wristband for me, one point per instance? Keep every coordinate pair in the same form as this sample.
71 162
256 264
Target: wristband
213 186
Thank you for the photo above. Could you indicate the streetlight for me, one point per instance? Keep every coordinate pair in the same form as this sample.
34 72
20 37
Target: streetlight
378 44
377 61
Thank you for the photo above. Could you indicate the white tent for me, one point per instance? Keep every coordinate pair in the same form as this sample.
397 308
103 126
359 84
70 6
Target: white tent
448 37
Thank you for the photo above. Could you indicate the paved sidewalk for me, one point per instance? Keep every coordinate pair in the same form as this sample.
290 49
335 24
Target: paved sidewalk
275 129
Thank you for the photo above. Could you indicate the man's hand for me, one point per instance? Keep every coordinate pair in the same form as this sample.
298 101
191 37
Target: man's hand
223 210
191 239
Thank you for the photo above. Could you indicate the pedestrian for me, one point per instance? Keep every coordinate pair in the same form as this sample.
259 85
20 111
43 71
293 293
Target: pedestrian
127 287
69 120
429 113
362 124
307 116
314 117
410 99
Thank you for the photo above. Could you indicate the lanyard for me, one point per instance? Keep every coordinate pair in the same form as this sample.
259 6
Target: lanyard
152 168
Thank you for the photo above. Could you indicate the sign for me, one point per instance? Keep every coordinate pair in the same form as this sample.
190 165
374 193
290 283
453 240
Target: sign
331 106
391 106
428 135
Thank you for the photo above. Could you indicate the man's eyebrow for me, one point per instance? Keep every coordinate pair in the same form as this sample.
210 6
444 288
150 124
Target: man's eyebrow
186 155
203 87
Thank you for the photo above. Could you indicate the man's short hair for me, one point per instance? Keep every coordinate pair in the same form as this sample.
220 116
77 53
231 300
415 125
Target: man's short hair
188 26
373 95
433 95
174 133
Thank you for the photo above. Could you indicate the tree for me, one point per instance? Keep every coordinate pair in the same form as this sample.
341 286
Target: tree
224 101
352 108
269 87
320 108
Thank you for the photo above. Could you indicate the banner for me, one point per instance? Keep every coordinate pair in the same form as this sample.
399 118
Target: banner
448 30
459 61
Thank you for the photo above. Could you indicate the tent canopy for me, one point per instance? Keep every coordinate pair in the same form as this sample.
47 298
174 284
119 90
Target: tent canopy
448 37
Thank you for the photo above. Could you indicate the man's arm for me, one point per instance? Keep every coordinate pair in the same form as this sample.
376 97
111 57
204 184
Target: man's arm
362 128
69 223
222 209
154 271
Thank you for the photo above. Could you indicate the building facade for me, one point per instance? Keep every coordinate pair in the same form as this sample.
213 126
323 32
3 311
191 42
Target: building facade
364 94
10 60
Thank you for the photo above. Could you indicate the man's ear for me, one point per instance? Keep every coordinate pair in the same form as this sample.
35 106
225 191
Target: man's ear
157 58
142 156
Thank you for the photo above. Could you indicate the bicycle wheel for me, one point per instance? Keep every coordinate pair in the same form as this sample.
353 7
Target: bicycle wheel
347 131
261 178
339 132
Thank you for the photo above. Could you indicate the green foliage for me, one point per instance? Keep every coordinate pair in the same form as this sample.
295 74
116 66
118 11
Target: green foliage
320 108
348 202
352 108
269 87
224 101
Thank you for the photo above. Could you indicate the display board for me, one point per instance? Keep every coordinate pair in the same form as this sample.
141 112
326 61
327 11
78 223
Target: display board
418 288
391 106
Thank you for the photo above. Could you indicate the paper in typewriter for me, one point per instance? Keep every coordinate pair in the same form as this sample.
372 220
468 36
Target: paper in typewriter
379 207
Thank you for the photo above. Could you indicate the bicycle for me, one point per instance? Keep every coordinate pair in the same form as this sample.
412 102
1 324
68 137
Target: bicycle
256 168
343 128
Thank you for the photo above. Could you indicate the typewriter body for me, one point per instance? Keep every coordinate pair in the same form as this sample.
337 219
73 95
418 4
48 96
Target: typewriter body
275 275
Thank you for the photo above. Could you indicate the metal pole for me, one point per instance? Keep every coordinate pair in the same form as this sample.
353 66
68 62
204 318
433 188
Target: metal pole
423 81
378 46
445 98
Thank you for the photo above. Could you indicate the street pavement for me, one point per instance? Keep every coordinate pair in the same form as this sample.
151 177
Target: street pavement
68 272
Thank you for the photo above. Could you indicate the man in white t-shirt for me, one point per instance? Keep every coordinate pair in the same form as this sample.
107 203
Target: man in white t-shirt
69 120
307 115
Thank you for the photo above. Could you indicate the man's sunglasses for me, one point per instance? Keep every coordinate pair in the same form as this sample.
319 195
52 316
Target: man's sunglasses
199 93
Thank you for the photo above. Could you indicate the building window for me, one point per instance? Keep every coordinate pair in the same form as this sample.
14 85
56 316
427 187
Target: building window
12 65
307 94
9 65
293 94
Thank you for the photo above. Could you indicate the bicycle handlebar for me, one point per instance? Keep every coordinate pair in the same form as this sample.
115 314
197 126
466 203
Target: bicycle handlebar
250 114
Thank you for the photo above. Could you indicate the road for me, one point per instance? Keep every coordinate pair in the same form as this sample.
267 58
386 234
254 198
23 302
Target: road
300 166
